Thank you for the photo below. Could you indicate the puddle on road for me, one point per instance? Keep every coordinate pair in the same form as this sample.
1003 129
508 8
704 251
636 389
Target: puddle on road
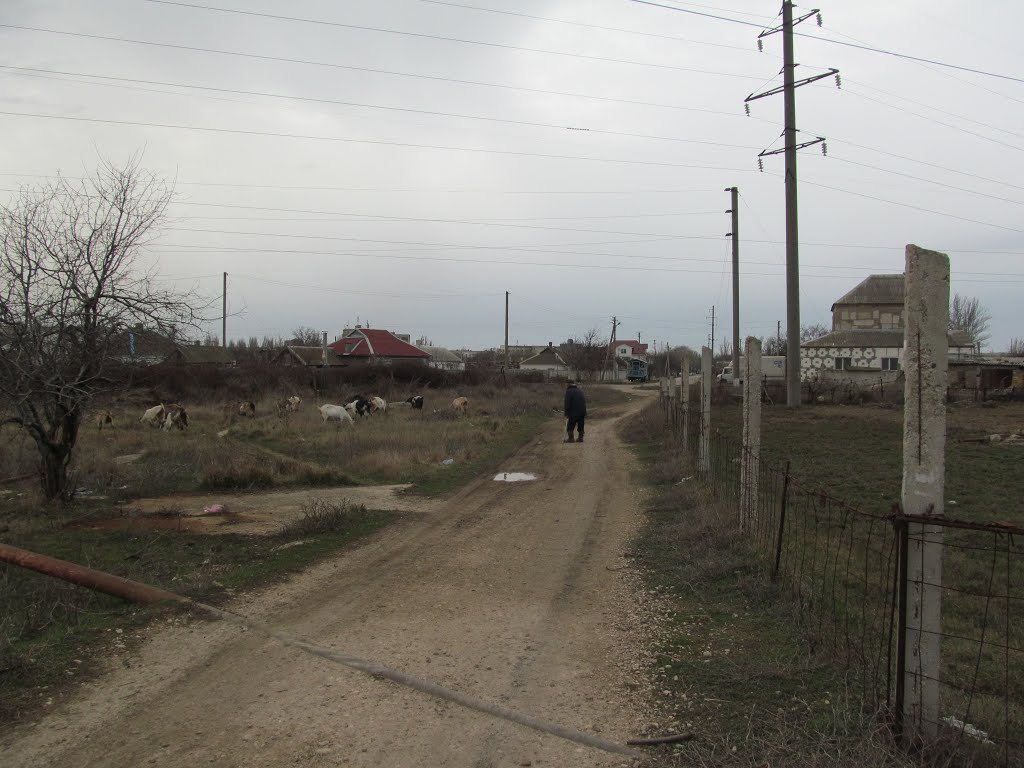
514 477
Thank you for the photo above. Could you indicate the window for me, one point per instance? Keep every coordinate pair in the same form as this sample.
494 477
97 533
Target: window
844 363
890 363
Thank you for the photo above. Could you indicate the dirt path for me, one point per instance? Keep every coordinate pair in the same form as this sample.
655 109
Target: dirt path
513 592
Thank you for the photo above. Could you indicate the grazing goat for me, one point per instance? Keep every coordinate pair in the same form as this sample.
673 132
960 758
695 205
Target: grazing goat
334 413
154 416
175 416
378 404
247 408
293 402
360 406
416 401
460 405
104 419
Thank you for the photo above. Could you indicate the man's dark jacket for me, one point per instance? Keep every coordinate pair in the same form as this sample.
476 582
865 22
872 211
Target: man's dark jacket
575 403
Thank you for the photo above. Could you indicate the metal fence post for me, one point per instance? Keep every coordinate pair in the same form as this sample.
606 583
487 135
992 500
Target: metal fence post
782 524
902 542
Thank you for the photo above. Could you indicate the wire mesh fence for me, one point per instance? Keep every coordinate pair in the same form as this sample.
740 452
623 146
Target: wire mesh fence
845 569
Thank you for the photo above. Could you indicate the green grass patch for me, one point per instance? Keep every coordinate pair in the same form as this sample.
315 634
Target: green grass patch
732 664
54 634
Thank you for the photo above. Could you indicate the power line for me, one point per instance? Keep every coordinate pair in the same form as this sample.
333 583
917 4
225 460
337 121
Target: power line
375 142
508 262
873 49
442 38
898 55
415 190
584 25
312 63
434 113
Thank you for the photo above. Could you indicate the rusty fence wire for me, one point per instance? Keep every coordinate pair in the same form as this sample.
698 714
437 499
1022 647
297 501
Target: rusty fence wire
845 572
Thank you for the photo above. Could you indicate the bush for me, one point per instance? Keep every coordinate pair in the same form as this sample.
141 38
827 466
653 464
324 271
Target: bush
319 516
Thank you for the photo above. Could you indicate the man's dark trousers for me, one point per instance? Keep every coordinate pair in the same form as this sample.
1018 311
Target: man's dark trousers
575 422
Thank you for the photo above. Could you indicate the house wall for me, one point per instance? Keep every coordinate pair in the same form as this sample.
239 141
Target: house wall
551 371
850 316
867 361
445 365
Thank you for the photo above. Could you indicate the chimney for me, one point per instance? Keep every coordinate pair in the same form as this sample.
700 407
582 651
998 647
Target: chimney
550 344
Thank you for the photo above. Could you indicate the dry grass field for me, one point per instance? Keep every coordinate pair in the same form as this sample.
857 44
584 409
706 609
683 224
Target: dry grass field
53 635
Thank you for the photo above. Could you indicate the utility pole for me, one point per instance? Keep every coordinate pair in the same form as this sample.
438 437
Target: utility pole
506 330
712 337
611 346
735 235
788 90
224 314
778 332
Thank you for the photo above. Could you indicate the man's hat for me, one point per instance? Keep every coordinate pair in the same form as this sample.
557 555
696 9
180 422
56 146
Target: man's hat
569 382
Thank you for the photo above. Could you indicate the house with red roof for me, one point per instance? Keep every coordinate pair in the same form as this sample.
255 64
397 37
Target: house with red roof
374 345
628 348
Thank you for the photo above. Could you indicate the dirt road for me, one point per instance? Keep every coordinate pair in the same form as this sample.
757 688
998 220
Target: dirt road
513 592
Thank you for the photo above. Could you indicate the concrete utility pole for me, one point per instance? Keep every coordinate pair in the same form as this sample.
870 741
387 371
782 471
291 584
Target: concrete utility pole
926 357
788 90
735 235
711 340
608 353
792 240
506 330
224 313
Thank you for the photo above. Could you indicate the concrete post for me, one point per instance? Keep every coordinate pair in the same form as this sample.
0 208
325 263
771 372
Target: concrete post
750 461
925 358
672 396
684 400
705 411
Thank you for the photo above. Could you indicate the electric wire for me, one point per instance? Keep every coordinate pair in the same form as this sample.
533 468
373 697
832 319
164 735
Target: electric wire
433 113
330 65
442 38
372 142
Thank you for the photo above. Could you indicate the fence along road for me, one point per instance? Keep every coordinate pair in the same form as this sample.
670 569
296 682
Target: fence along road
924 613
512 592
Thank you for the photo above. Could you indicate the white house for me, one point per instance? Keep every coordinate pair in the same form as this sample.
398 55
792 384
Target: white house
866 342
443 358
548 362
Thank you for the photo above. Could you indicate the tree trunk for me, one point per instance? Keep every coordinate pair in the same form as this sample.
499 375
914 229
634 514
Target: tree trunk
53 468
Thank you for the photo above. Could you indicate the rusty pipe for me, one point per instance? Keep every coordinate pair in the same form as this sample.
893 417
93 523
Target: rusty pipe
88 577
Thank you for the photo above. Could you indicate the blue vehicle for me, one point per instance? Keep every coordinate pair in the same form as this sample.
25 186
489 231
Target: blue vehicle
637 370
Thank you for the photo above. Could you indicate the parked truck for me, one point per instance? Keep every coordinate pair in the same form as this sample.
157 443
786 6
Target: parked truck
772 367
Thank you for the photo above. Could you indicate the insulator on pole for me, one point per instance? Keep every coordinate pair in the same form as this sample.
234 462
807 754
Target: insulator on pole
747 107
760 45
839 81
818 16
824 148
760 165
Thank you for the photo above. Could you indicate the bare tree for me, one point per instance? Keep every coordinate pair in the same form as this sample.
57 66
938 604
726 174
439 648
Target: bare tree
966 314
586 354
1016 347
776 345
305 336
70 288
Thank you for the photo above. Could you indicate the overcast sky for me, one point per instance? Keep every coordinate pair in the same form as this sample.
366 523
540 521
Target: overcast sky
409 181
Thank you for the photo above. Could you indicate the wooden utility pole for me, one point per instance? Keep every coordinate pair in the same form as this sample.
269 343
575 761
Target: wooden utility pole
611 346
506 330
224 314
735 235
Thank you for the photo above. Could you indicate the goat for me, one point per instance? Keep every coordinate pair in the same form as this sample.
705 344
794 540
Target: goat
416 401
334 413
154 417
460 405
104 419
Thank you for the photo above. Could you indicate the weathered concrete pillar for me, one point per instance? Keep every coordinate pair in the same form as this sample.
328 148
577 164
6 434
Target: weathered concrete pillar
672 398
705 411
684 400
751 459
925 354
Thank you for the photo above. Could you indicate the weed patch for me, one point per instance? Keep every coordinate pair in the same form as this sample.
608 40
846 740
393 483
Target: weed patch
732 666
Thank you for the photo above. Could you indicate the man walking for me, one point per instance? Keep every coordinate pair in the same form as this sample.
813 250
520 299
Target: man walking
575 411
